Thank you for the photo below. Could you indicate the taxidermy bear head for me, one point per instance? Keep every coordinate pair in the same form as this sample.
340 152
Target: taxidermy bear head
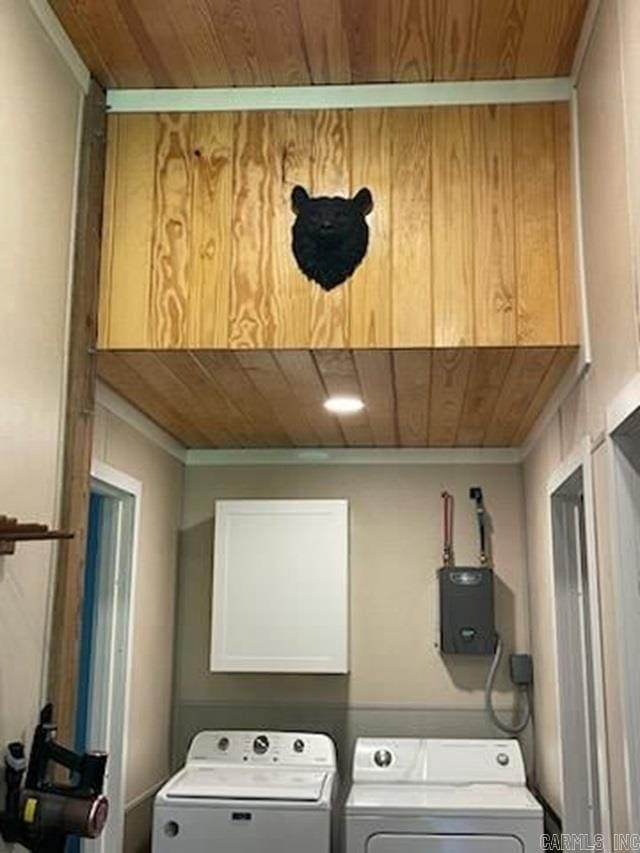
330 235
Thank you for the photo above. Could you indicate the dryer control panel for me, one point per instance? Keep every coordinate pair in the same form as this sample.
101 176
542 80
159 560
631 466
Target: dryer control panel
238 748
434 761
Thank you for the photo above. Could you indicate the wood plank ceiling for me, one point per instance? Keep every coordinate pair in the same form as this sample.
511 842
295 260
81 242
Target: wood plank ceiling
475 397
194 43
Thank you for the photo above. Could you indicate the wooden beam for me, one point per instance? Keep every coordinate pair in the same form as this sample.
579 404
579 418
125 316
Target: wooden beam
81 382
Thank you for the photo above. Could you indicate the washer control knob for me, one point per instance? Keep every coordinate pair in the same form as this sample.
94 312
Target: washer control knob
223 744
298 745
261 745
383 757
502 758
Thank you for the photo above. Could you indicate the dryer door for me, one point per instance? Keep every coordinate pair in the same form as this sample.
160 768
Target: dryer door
395 843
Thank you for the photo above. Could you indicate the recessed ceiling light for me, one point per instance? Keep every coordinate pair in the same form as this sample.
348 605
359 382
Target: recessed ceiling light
344 405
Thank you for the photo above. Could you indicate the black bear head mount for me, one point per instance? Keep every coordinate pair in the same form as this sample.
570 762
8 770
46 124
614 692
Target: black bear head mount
330 235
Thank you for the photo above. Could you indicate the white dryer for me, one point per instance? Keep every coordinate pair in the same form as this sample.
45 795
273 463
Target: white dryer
440 796
249 792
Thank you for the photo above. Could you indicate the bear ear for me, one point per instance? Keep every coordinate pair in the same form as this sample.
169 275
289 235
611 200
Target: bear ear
299 197
363 200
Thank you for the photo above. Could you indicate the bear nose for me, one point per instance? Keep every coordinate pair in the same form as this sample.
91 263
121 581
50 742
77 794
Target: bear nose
326 225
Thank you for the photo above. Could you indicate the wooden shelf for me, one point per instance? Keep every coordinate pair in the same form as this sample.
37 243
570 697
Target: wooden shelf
12 531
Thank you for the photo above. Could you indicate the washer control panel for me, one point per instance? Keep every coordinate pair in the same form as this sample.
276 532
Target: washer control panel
263 748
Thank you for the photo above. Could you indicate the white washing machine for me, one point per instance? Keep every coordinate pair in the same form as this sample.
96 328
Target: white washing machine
440 796
249 792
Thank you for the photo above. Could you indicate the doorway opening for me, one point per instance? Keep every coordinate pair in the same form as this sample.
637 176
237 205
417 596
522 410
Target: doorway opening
577 615
105 641
626 508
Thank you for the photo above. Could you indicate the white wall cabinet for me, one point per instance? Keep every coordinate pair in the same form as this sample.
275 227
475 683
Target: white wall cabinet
281 586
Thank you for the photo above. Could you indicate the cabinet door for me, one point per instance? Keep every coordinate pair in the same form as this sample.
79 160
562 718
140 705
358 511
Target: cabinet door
280 586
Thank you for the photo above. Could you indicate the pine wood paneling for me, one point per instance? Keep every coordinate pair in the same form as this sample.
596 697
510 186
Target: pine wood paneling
283 42
326 41
126 261
566 241
449 379
549 38
375 372
412 379
536 227
370 287
235 24
295 139
477 397
470 237
263 371
253 264
300 371
500 29
455 39
171 255
562 358
209 296
331 159
224 370
526 372
412 41
368 27
340 378
411 235
493 240
452 207
488 372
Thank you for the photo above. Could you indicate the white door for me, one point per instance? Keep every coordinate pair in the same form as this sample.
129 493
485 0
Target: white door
394 843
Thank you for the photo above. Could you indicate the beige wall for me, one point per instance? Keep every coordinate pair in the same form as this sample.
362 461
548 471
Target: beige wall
395 516
129 451
609 138
39 116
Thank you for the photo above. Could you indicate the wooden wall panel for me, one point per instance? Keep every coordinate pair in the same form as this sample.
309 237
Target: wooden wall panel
470 238
452 205
493 239
536 226
128 231
370 287
209 296
253 263
172 260
331 159
566 225
295 138
411 234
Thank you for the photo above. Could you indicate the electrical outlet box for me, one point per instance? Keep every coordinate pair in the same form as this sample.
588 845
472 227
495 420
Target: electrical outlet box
521 670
